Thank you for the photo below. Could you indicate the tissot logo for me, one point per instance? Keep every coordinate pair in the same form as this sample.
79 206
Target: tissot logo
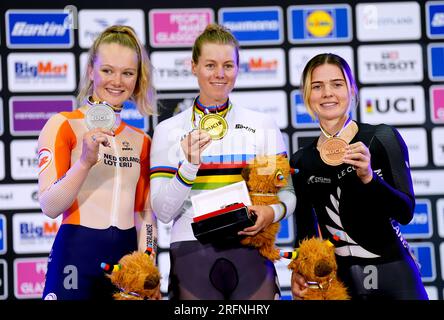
394 63
173 70
24 161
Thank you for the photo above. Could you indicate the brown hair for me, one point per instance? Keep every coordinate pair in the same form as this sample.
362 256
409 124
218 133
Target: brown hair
214 33
326 58
144 94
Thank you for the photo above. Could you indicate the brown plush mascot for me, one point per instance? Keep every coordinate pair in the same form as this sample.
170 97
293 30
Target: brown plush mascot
264 178
315 260
136 276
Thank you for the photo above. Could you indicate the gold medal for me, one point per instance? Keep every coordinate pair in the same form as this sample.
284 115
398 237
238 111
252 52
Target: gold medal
215 125
332 151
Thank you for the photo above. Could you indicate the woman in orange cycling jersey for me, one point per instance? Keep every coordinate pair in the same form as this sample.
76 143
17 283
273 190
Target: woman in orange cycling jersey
96 175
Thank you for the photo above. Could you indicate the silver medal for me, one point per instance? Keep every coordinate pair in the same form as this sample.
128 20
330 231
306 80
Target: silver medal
100 115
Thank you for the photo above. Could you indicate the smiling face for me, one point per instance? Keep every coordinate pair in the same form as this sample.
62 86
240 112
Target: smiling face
216 72
114 73
329 94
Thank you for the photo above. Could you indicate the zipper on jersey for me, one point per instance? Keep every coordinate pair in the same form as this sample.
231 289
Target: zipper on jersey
117 185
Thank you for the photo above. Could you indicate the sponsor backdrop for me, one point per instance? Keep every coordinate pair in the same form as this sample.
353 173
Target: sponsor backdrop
396 50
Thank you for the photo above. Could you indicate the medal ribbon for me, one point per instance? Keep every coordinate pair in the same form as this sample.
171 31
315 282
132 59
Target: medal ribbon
92 102
328 136
202 110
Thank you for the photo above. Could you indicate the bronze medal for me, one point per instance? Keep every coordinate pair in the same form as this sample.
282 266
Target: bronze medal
332 151
215 125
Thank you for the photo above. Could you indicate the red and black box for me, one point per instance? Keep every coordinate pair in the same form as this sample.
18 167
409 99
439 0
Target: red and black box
222 224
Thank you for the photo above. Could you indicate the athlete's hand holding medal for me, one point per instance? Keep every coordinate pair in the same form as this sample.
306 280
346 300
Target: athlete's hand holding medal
358 155
100 119
194 143
335 150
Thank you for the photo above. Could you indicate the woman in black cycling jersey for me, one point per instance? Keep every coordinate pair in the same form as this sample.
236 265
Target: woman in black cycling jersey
354 186
188 161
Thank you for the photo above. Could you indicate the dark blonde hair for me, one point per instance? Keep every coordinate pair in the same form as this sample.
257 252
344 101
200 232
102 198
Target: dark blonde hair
214 33
326 58
144 94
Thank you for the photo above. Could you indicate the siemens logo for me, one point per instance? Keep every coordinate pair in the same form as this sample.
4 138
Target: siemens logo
38 29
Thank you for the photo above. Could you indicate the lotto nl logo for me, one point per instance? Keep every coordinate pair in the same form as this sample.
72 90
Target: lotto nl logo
40 28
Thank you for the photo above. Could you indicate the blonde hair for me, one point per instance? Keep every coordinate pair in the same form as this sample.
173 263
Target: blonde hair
144 94
326 58
214 33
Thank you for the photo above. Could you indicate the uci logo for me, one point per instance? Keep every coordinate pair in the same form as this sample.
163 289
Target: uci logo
400 105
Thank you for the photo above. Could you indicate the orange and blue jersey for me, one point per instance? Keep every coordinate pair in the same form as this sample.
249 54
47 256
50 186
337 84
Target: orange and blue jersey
99 225
116 187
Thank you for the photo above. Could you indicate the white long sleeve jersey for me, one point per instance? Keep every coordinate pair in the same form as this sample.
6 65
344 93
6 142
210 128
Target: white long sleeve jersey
174 180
